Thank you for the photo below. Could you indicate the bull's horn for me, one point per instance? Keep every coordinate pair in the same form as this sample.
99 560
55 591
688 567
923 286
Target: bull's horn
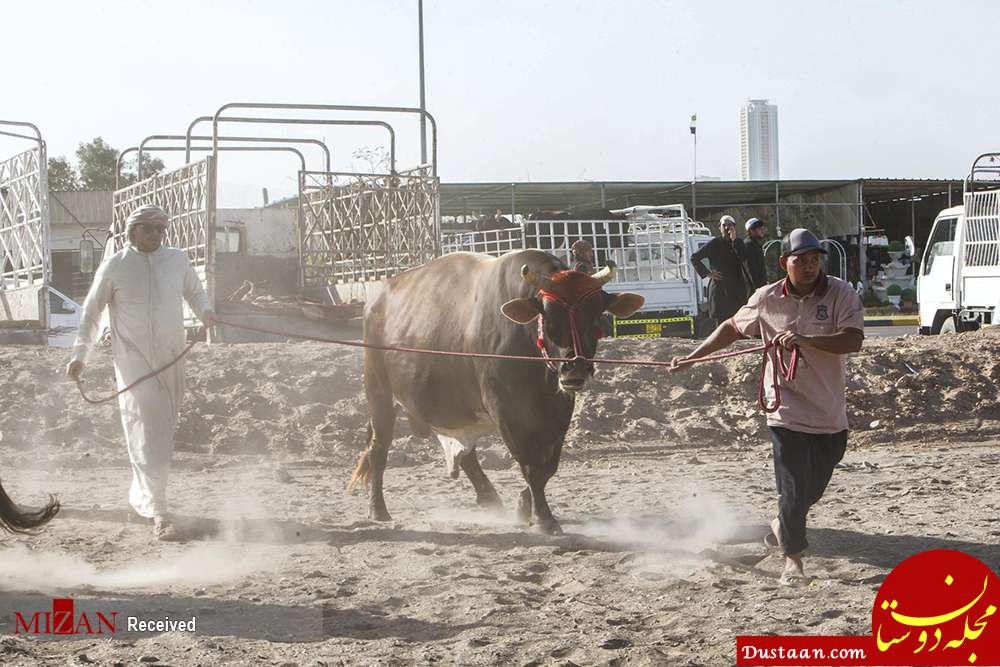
605 275
536 279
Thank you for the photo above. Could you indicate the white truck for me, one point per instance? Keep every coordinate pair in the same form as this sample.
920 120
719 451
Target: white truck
958 287
63 321
651 246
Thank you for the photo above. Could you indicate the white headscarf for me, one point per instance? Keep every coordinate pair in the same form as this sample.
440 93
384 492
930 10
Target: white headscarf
143 214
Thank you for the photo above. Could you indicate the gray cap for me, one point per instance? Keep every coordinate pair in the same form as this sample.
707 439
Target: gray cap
800 241
727 220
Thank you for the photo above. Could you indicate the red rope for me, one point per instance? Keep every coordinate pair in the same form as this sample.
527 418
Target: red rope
776 355
147 376
770 353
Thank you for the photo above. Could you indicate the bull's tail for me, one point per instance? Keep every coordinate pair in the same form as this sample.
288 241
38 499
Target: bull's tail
363 470
15 520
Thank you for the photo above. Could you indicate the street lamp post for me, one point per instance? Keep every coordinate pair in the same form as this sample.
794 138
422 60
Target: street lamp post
423 119
694 176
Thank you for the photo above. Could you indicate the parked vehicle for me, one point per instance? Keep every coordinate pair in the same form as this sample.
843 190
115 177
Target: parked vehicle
650 245
64 319
958 288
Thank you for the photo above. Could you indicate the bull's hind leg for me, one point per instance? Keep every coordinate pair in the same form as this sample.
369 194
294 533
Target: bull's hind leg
460 453
524 507
486 495
382 423
454 450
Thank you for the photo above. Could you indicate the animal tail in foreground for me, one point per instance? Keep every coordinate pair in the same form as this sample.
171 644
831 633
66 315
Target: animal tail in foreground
363 471
15 520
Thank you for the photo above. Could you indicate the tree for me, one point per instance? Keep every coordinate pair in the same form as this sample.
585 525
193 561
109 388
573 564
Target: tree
150 166
377 158
62 175
98 161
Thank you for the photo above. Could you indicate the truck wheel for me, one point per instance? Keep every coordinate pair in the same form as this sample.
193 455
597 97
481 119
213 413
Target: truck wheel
948 326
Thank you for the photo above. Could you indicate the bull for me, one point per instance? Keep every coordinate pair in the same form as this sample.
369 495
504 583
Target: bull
524 303
15 520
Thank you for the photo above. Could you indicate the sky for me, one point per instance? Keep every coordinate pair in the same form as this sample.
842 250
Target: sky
524 90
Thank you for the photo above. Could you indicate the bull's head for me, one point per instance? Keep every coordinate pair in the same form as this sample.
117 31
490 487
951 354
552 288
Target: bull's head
571 305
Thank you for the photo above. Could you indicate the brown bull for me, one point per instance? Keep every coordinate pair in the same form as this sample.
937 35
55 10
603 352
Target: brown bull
15 520
466 302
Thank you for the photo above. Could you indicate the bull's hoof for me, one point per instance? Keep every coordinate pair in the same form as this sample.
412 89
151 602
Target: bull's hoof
490 501
547 527
379 514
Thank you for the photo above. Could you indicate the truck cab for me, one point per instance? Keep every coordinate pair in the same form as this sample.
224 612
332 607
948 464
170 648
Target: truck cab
938 273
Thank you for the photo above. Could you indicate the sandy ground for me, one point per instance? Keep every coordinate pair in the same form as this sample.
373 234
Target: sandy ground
664 492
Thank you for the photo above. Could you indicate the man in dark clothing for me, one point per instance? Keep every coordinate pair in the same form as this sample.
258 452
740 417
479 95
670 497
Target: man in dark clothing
753 253
726 291
583 256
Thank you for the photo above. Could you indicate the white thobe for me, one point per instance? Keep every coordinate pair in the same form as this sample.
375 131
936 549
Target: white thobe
144 293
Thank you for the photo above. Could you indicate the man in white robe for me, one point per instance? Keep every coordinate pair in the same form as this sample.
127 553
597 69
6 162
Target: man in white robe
144 286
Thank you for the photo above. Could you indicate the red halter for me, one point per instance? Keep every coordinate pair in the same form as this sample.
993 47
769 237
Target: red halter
571 308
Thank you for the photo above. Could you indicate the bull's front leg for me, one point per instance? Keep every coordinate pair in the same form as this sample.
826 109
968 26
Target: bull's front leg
535 440
541 515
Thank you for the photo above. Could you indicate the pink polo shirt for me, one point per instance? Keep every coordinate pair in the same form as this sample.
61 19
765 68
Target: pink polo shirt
815 401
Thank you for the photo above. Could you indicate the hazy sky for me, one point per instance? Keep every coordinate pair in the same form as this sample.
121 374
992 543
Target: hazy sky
525 89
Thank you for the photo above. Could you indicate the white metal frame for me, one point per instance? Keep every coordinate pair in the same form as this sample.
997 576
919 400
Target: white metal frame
360 228
25 262
650 251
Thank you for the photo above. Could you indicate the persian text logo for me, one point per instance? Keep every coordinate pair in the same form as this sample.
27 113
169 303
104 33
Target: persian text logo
934 609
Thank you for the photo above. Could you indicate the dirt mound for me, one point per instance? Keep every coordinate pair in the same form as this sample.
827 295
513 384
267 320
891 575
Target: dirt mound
307 401
896 387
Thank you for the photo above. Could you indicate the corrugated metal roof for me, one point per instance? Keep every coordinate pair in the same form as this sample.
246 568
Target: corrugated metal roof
90 208
459 198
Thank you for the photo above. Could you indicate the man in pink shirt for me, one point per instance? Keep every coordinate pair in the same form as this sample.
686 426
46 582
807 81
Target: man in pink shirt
824 318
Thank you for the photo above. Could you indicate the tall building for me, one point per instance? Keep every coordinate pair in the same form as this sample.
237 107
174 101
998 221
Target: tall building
758 141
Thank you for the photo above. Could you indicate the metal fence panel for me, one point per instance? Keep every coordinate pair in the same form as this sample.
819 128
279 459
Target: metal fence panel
644 251
493 242
187 195
24 236
358 228
982 229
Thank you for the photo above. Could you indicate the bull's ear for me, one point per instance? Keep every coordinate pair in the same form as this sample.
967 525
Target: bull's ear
521 310
624 304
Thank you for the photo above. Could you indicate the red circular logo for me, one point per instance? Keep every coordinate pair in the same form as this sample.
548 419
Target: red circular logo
938 607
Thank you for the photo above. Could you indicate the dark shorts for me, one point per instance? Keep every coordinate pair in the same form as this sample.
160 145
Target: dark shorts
803 465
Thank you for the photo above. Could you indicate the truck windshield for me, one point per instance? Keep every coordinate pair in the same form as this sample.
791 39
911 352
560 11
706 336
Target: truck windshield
941 243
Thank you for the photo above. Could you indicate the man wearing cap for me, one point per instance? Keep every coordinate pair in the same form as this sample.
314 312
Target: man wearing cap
144 286
753 253
823 317
726 291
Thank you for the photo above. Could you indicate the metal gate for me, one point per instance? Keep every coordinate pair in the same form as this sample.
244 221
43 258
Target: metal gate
187 195
24 236
362 228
